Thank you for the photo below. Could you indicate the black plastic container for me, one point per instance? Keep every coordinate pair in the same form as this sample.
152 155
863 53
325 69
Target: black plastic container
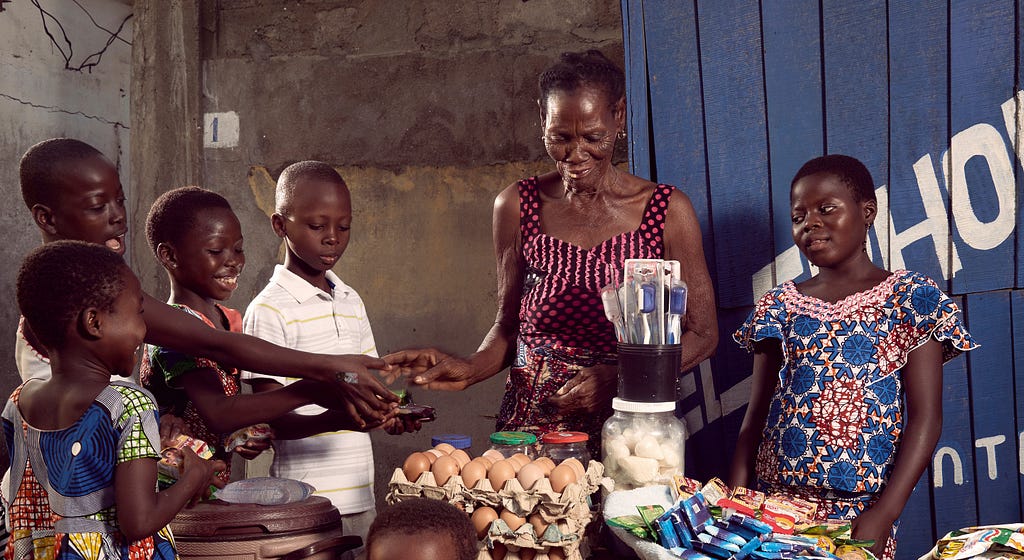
648 372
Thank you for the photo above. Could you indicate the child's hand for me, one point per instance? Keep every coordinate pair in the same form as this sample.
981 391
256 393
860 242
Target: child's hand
401 424
199 473
171 426
252 448
873 525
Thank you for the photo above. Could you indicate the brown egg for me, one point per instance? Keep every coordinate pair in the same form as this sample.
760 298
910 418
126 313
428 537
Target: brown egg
487 459
512 520
481 519
539 525
494 455
500 473
529 475
499 551
485 463
461 456
556 553
472 473
444 468
561 476
577 466
430 457
545 463
434 454
445 448
414 466
521 458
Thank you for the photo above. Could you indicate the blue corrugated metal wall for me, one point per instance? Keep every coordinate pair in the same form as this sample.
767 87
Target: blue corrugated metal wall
727 98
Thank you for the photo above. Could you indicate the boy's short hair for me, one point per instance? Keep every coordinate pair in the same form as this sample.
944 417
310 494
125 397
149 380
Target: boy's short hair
60 279
296 172
419 516
174 213
41 164
847 169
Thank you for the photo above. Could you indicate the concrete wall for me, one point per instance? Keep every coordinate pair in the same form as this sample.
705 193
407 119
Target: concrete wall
428 110
40 99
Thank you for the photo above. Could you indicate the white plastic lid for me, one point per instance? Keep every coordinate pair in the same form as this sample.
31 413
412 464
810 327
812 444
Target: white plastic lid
634 406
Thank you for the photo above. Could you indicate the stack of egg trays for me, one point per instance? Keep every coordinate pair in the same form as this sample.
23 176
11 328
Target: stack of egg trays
567 513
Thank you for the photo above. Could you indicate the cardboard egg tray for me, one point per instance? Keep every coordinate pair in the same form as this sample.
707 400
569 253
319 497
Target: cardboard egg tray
567 513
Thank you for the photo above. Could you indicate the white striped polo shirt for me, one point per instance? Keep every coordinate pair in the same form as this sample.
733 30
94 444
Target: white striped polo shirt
293 313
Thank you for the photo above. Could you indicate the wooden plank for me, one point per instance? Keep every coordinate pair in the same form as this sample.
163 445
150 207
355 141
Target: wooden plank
1017 131
991 382
737 146
677 111
638 128
918 192
1017 319
982 71
793 87
856 88
954 501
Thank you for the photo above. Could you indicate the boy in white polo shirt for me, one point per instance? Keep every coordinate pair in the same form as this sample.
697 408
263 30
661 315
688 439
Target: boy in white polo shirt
305 306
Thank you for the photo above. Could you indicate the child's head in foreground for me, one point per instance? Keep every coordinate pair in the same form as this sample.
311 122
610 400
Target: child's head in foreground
421 529
197 238
74 192
832 206
82 297
313 214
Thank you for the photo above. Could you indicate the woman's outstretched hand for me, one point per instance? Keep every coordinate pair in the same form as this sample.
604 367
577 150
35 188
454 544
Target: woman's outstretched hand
873 525
430 368
588 392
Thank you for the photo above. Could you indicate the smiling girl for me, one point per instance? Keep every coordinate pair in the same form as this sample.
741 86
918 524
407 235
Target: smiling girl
198 239
834 358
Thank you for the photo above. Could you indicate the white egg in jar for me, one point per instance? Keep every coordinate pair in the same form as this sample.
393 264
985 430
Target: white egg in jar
643 444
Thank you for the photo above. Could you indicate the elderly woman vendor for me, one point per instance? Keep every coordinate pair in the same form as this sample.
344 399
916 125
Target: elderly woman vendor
558 239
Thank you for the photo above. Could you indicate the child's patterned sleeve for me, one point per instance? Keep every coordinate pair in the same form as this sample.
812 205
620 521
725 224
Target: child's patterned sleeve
138 425
765 321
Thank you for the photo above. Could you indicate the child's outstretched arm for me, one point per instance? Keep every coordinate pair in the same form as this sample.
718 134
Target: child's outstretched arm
367 399
225 414
142 513
767 362
922 383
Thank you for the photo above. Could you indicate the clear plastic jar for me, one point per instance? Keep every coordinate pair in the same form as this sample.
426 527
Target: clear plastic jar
559 446
642 444
458 441
510 443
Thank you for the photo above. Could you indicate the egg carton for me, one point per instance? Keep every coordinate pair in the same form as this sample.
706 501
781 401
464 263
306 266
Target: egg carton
571 502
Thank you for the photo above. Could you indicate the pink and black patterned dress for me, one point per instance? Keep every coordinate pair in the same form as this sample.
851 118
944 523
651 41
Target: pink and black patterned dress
835 420
562 327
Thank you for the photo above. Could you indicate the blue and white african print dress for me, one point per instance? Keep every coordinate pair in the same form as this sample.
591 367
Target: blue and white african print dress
76 467
836 416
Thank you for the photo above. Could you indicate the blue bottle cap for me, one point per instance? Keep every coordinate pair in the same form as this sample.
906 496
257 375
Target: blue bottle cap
458 441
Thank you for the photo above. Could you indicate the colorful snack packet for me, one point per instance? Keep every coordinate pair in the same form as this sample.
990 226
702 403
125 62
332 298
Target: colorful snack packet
743 500
716 531
256 432
714 491
707 538
172 459
712 550
650 515
633 525
667 536
800 510
695 512
683 487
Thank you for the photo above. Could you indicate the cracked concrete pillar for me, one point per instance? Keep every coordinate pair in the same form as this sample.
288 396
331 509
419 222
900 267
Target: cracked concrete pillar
166 116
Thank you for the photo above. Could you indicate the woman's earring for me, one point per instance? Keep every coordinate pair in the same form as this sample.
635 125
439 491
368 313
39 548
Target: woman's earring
621 134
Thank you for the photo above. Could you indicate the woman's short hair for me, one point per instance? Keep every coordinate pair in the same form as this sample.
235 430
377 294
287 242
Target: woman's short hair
578 69
847 169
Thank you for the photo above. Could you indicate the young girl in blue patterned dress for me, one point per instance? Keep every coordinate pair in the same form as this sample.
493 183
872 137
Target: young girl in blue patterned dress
91 444
834 358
